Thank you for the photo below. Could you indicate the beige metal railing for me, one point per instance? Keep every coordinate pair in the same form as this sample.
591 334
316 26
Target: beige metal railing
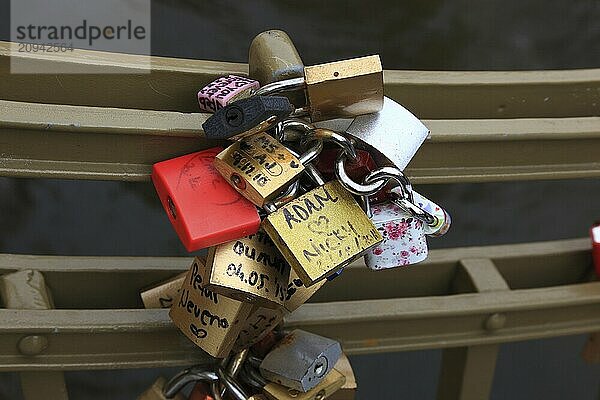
485 126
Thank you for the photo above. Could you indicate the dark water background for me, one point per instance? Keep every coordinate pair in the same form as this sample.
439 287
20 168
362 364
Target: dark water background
114 218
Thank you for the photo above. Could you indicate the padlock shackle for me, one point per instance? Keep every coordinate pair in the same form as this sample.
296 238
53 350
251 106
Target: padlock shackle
353 186
280 86
232 386
246 377
310 133
406 199
192 374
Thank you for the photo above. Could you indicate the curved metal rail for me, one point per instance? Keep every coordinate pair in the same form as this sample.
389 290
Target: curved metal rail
485 126
79 142
458 297
171 84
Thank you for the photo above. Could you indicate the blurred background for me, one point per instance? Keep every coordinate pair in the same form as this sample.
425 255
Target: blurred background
61 217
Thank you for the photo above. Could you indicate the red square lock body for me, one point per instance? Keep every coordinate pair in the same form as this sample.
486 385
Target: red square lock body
202 207
595 236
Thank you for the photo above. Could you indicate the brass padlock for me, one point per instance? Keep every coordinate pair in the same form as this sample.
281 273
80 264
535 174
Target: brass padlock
155 392
273 57
164 294
210 320
321 231
339 89
297 293
249 269
259 323
259 167
329 385
348 389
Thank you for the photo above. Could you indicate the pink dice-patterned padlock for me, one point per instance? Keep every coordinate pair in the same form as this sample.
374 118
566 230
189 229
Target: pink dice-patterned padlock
442 220
225 90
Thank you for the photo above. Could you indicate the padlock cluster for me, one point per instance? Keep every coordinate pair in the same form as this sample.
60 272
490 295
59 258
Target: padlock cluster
298 365
311 181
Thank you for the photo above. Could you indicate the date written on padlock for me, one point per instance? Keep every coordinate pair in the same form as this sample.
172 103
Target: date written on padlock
210 320
321 231
246 117
259 167
249 269
297 293
225 90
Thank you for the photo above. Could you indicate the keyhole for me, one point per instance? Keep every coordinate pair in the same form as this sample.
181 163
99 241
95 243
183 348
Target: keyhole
336 74
234 117
237 181
171 208
319 369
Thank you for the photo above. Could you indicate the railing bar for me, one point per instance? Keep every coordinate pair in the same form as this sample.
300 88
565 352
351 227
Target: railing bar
483 274
467 373
27 290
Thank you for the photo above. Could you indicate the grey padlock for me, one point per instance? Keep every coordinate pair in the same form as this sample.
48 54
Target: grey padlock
300 360
392 135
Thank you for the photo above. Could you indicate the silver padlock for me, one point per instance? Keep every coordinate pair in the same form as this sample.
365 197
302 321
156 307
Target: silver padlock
301 360
392 135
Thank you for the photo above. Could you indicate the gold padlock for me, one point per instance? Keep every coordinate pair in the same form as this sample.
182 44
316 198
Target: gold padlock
164 294
348 389
259 167
260 322
210 320
249 269
273 57
344 89
321 231
339 89
297 293
329 385
155 392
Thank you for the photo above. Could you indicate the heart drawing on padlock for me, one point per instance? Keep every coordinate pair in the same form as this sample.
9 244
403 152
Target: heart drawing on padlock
404 240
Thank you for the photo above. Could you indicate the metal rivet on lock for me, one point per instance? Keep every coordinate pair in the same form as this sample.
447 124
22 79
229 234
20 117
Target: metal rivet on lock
32 345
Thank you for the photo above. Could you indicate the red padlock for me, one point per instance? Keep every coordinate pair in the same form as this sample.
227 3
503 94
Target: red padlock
203 208
595 235
201 392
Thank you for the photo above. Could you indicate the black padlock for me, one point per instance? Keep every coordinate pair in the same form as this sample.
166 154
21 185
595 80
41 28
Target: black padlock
247 116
